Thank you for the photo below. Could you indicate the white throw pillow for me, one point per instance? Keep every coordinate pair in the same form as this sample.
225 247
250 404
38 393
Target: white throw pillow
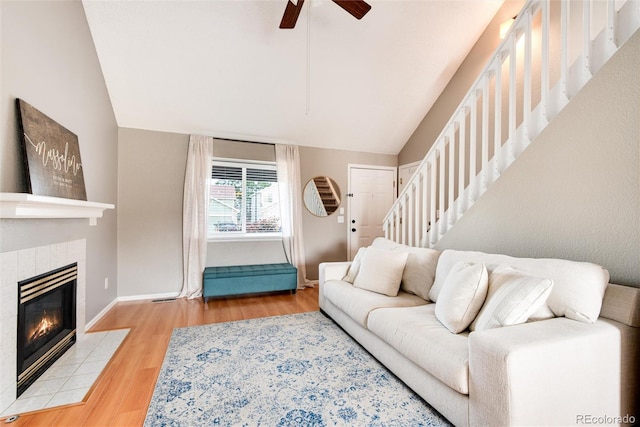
513 297
381 271
384 243
462 295
355 266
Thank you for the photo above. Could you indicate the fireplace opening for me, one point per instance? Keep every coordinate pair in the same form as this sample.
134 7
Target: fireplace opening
46 322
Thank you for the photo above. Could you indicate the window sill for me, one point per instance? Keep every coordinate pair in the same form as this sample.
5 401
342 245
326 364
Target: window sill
275 237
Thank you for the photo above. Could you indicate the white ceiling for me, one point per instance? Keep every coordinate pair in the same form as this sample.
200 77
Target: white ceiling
224 68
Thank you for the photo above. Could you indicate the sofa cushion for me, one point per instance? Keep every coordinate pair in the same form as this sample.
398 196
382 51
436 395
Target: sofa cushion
381 271
417 334
358 303
578 286
420 270
462 295
513 297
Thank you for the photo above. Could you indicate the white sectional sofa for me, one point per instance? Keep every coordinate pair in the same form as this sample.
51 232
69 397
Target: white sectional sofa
552 342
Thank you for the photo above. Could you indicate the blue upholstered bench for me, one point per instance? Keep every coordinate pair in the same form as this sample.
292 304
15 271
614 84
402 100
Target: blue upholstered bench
248 279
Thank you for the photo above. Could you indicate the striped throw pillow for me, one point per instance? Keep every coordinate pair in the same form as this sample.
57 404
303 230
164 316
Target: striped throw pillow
513 297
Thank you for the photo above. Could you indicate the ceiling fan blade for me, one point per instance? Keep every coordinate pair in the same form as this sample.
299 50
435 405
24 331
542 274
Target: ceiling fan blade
291 13
358 8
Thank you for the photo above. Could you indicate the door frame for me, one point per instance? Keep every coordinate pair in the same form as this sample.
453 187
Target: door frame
401 168
350 167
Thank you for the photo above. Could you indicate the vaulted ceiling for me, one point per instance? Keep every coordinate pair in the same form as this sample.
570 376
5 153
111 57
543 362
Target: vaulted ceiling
224 68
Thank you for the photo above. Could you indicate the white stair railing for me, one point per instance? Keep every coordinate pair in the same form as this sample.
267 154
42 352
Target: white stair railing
551 50
313 201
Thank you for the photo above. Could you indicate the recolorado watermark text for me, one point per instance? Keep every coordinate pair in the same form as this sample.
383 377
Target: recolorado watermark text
588 419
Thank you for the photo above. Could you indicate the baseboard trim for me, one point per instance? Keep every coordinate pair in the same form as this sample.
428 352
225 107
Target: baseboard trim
104 311
99 316
149 296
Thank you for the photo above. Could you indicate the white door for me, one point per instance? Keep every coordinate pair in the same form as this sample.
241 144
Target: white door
405 172
371 194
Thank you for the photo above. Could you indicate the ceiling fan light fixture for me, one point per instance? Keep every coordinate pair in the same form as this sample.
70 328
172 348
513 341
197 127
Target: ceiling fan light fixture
357 8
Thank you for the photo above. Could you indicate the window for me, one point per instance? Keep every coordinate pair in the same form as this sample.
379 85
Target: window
243 200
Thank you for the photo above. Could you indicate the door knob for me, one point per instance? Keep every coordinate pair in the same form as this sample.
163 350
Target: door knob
353 221
353 230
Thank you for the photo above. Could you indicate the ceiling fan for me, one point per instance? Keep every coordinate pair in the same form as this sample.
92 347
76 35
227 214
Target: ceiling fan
357 8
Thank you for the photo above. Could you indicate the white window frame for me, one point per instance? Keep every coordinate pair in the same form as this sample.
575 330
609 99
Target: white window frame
235 236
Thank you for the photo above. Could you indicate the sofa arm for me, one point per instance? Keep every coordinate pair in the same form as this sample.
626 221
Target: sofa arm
332 270
551 372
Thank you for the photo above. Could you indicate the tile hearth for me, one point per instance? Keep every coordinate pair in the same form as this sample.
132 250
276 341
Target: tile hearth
69 379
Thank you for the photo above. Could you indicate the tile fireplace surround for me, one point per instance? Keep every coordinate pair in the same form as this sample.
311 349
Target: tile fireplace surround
20 265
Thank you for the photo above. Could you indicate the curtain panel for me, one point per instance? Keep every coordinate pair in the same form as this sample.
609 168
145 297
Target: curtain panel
290 192
195 211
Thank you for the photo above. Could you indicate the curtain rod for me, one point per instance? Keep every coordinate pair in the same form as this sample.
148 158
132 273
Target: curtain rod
242 140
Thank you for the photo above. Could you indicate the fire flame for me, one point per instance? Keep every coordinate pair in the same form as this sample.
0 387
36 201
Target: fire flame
43 328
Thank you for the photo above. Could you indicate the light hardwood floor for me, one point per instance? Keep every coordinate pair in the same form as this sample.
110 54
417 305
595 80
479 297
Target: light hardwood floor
121 395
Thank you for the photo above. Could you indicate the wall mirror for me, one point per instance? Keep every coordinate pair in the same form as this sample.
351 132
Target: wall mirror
321 196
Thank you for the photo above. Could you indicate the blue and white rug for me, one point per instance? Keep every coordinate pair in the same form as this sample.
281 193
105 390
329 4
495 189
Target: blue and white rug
295 370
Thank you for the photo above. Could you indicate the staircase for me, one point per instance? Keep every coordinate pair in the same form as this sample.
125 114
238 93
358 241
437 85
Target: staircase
327 193
551 51
321 198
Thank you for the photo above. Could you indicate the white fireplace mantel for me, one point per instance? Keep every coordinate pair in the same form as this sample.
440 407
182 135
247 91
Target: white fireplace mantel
25 205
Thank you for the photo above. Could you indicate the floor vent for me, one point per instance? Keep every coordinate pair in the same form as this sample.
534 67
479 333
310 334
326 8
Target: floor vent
163 300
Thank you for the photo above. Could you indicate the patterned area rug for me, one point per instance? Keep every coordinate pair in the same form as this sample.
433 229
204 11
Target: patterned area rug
295 370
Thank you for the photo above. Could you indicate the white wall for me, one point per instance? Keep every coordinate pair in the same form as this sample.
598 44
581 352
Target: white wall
575 192
48 59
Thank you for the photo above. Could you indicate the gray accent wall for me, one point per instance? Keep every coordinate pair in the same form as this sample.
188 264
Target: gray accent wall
48 59
151 167
575 192
150 193
324 238
439 114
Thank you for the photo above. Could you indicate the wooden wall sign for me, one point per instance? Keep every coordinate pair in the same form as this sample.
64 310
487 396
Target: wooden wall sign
52 155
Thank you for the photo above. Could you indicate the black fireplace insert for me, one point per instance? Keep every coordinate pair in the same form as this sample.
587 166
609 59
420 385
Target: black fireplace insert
46 321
